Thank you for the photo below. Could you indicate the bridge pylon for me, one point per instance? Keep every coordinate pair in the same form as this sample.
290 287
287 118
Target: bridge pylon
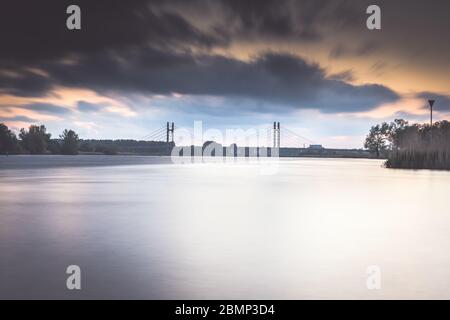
170 130
276 135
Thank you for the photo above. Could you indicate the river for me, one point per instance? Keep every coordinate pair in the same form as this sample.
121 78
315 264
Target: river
146 228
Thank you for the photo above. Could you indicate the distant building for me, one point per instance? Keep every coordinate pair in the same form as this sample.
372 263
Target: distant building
212 149
316 146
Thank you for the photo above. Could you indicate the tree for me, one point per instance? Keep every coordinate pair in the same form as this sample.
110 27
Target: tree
70 142
377 139
86 146
35 140
54 146
394 132
8 140
385 136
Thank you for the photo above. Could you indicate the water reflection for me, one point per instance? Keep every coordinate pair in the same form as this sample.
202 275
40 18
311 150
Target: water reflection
215 230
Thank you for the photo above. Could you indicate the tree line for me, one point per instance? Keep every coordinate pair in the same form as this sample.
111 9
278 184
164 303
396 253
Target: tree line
36 140
413 146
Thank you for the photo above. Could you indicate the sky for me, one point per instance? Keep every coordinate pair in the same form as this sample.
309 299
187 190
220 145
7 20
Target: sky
312 65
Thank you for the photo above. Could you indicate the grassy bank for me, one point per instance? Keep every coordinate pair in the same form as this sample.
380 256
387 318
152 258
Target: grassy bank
421 146
418 159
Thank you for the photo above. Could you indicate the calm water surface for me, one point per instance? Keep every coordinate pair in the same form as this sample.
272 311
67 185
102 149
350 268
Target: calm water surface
143 227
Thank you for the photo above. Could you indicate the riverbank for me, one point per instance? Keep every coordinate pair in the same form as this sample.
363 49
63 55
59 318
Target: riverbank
413 159
234 151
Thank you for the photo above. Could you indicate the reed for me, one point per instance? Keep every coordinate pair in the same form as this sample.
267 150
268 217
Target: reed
420 146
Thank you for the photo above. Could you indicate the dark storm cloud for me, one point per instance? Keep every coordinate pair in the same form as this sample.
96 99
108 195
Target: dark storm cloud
24 83
417 30
277 78
293 20
45 108
147 47
33 31
274 19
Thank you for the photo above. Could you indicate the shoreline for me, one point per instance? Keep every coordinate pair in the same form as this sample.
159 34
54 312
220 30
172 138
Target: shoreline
123 159
47 161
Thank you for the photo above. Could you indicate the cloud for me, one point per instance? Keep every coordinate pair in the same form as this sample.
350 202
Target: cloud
271 79
84 106
273 19
18 119
105 25
24 83
203 24
442 101
45 108
158 47
347 75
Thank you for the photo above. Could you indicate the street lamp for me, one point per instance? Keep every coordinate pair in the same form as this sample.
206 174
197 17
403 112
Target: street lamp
431 103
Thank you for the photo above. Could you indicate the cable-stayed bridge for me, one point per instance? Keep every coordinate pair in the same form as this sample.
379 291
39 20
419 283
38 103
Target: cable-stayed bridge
266 140
273 136
270 140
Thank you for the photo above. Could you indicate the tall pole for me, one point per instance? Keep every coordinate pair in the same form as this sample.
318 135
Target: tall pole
278 129
431 103
274 134
167 133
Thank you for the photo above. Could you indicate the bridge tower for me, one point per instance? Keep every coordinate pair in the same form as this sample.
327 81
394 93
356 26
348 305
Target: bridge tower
279 135
170 132
276 135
